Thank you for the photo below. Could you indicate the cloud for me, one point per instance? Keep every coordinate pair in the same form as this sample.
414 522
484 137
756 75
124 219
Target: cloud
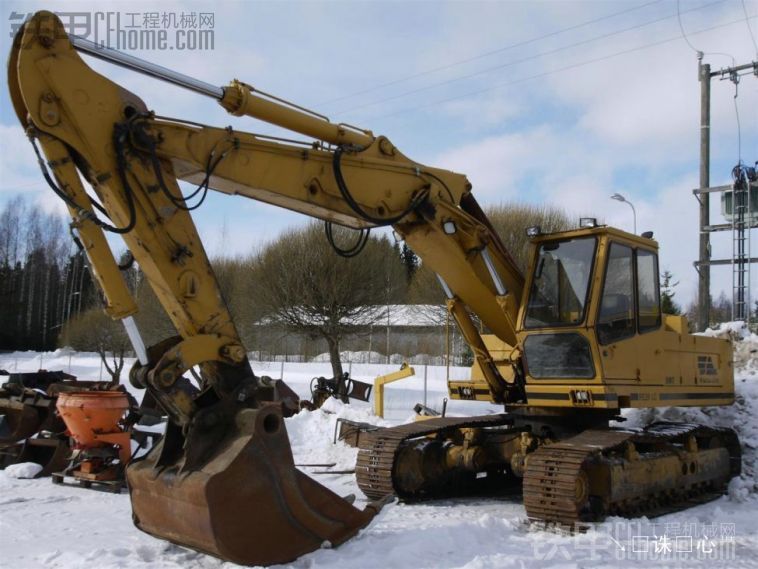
496 164
647 103
570 172
628 124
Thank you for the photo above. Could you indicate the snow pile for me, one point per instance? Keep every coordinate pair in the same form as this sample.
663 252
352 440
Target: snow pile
745 346
730 330
311 434
23 470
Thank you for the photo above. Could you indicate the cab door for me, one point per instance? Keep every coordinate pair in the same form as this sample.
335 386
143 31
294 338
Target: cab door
632 342
616 324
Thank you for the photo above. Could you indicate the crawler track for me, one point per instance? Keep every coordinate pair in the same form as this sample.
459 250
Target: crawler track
663 468
577 480
379 449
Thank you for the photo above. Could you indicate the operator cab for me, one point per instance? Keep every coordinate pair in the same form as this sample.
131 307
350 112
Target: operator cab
588 288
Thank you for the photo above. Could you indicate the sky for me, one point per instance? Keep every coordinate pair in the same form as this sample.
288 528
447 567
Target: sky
561 103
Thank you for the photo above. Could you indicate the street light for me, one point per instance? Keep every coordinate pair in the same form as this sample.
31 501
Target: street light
620 198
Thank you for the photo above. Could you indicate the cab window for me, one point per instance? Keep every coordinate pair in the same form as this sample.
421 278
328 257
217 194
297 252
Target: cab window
560 283
647 291
616 320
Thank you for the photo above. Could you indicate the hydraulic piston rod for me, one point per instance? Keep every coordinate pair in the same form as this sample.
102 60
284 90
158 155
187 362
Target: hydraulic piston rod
238 98
153 70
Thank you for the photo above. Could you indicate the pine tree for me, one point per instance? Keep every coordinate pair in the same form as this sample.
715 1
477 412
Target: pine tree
410 260
668 306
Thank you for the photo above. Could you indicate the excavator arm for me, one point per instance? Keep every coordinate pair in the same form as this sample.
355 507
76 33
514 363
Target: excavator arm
362 187
223 479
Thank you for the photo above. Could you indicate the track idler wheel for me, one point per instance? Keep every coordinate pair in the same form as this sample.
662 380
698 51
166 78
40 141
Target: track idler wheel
247 503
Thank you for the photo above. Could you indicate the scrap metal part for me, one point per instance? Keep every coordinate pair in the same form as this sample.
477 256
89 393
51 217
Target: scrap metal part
351 432
30 428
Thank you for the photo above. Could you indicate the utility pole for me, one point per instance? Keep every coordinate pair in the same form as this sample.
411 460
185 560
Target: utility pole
704 268
704 262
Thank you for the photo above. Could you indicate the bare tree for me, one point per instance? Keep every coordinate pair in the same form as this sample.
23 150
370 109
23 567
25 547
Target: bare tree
239 287
34 249
11 222
94 331
721 309
306 287
511 220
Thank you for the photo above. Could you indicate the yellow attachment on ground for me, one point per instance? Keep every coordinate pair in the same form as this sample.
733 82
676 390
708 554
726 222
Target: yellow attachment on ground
379 383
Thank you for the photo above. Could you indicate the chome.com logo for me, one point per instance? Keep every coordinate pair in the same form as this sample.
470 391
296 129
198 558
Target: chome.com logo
182 31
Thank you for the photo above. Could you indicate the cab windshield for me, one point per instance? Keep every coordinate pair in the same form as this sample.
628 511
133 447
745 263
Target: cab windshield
561 278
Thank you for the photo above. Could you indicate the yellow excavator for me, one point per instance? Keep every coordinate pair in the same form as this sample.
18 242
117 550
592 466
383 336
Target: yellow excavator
563 348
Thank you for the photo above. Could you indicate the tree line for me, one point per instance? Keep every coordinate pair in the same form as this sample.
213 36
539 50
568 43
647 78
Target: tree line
44 281
296 284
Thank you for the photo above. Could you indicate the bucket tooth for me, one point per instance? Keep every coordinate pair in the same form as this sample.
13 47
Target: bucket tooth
247 503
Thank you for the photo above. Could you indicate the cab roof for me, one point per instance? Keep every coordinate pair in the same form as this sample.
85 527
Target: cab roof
599 231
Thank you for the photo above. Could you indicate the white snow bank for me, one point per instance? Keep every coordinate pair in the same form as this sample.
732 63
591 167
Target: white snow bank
730 330
85 528
23 470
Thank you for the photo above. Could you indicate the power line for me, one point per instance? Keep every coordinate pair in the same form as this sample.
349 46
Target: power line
558 70
734 77
681 27
524 59
488 53
739 126
749 28
736 80
689 43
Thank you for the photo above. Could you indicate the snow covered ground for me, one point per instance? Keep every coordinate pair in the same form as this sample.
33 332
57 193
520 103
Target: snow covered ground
42 525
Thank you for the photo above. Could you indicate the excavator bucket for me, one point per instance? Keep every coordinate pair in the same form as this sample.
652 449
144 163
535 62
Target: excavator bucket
247 503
